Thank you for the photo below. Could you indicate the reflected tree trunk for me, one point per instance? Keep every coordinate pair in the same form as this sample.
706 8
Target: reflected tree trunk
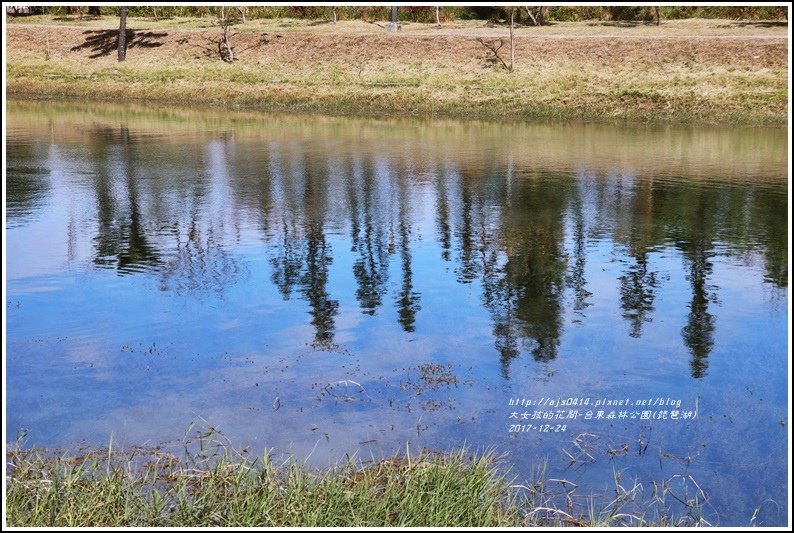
408 301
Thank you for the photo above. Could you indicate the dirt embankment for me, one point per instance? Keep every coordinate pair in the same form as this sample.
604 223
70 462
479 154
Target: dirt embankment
712 78
152 45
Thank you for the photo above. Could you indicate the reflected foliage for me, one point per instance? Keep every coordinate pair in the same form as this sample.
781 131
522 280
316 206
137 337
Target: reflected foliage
27 181
637 292
694 240
368 237
315 286
535 265
698 333
639 233
526 241
576 278
303 255
408 301
121 239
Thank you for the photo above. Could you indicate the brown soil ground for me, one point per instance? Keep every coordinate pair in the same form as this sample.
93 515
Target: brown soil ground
76 43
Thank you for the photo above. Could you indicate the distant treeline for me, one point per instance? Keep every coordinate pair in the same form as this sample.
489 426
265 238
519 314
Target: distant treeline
428 13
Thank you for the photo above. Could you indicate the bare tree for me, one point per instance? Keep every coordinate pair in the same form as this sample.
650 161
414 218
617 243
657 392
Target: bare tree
494 46
657 11
333 12
225 47
438 17
242 10
512 41
122 41
537 14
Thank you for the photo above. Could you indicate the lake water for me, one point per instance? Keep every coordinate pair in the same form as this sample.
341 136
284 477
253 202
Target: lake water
328 286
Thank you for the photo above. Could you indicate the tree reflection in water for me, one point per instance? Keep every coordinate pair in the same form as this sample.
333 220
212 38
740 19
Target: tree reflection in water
368 235
519 235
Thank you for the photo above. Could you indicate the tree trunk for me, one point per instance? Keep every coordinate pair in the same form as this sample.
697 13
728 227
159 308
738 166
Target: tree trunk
333 10
242 13
531 16
537 14
658 14
393 25
122 44
512 41
225 47
438 17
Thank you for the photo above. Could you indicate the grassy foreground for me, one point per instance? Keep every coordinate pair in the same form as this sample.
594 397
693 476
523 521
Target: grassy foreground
705 71
94 491
147 487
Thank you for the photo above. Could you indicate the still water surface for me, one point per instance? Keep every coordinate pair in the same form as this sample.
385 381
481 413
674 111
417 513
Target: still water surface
397 282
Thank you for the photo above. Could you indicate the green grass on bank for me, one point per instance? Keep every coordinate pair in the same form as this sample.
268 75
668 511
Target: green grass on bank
92 491
559 92
148 487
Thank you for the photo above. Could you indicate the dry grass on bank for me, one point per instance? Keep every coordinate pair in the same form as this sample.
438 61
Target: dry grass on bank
715 74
